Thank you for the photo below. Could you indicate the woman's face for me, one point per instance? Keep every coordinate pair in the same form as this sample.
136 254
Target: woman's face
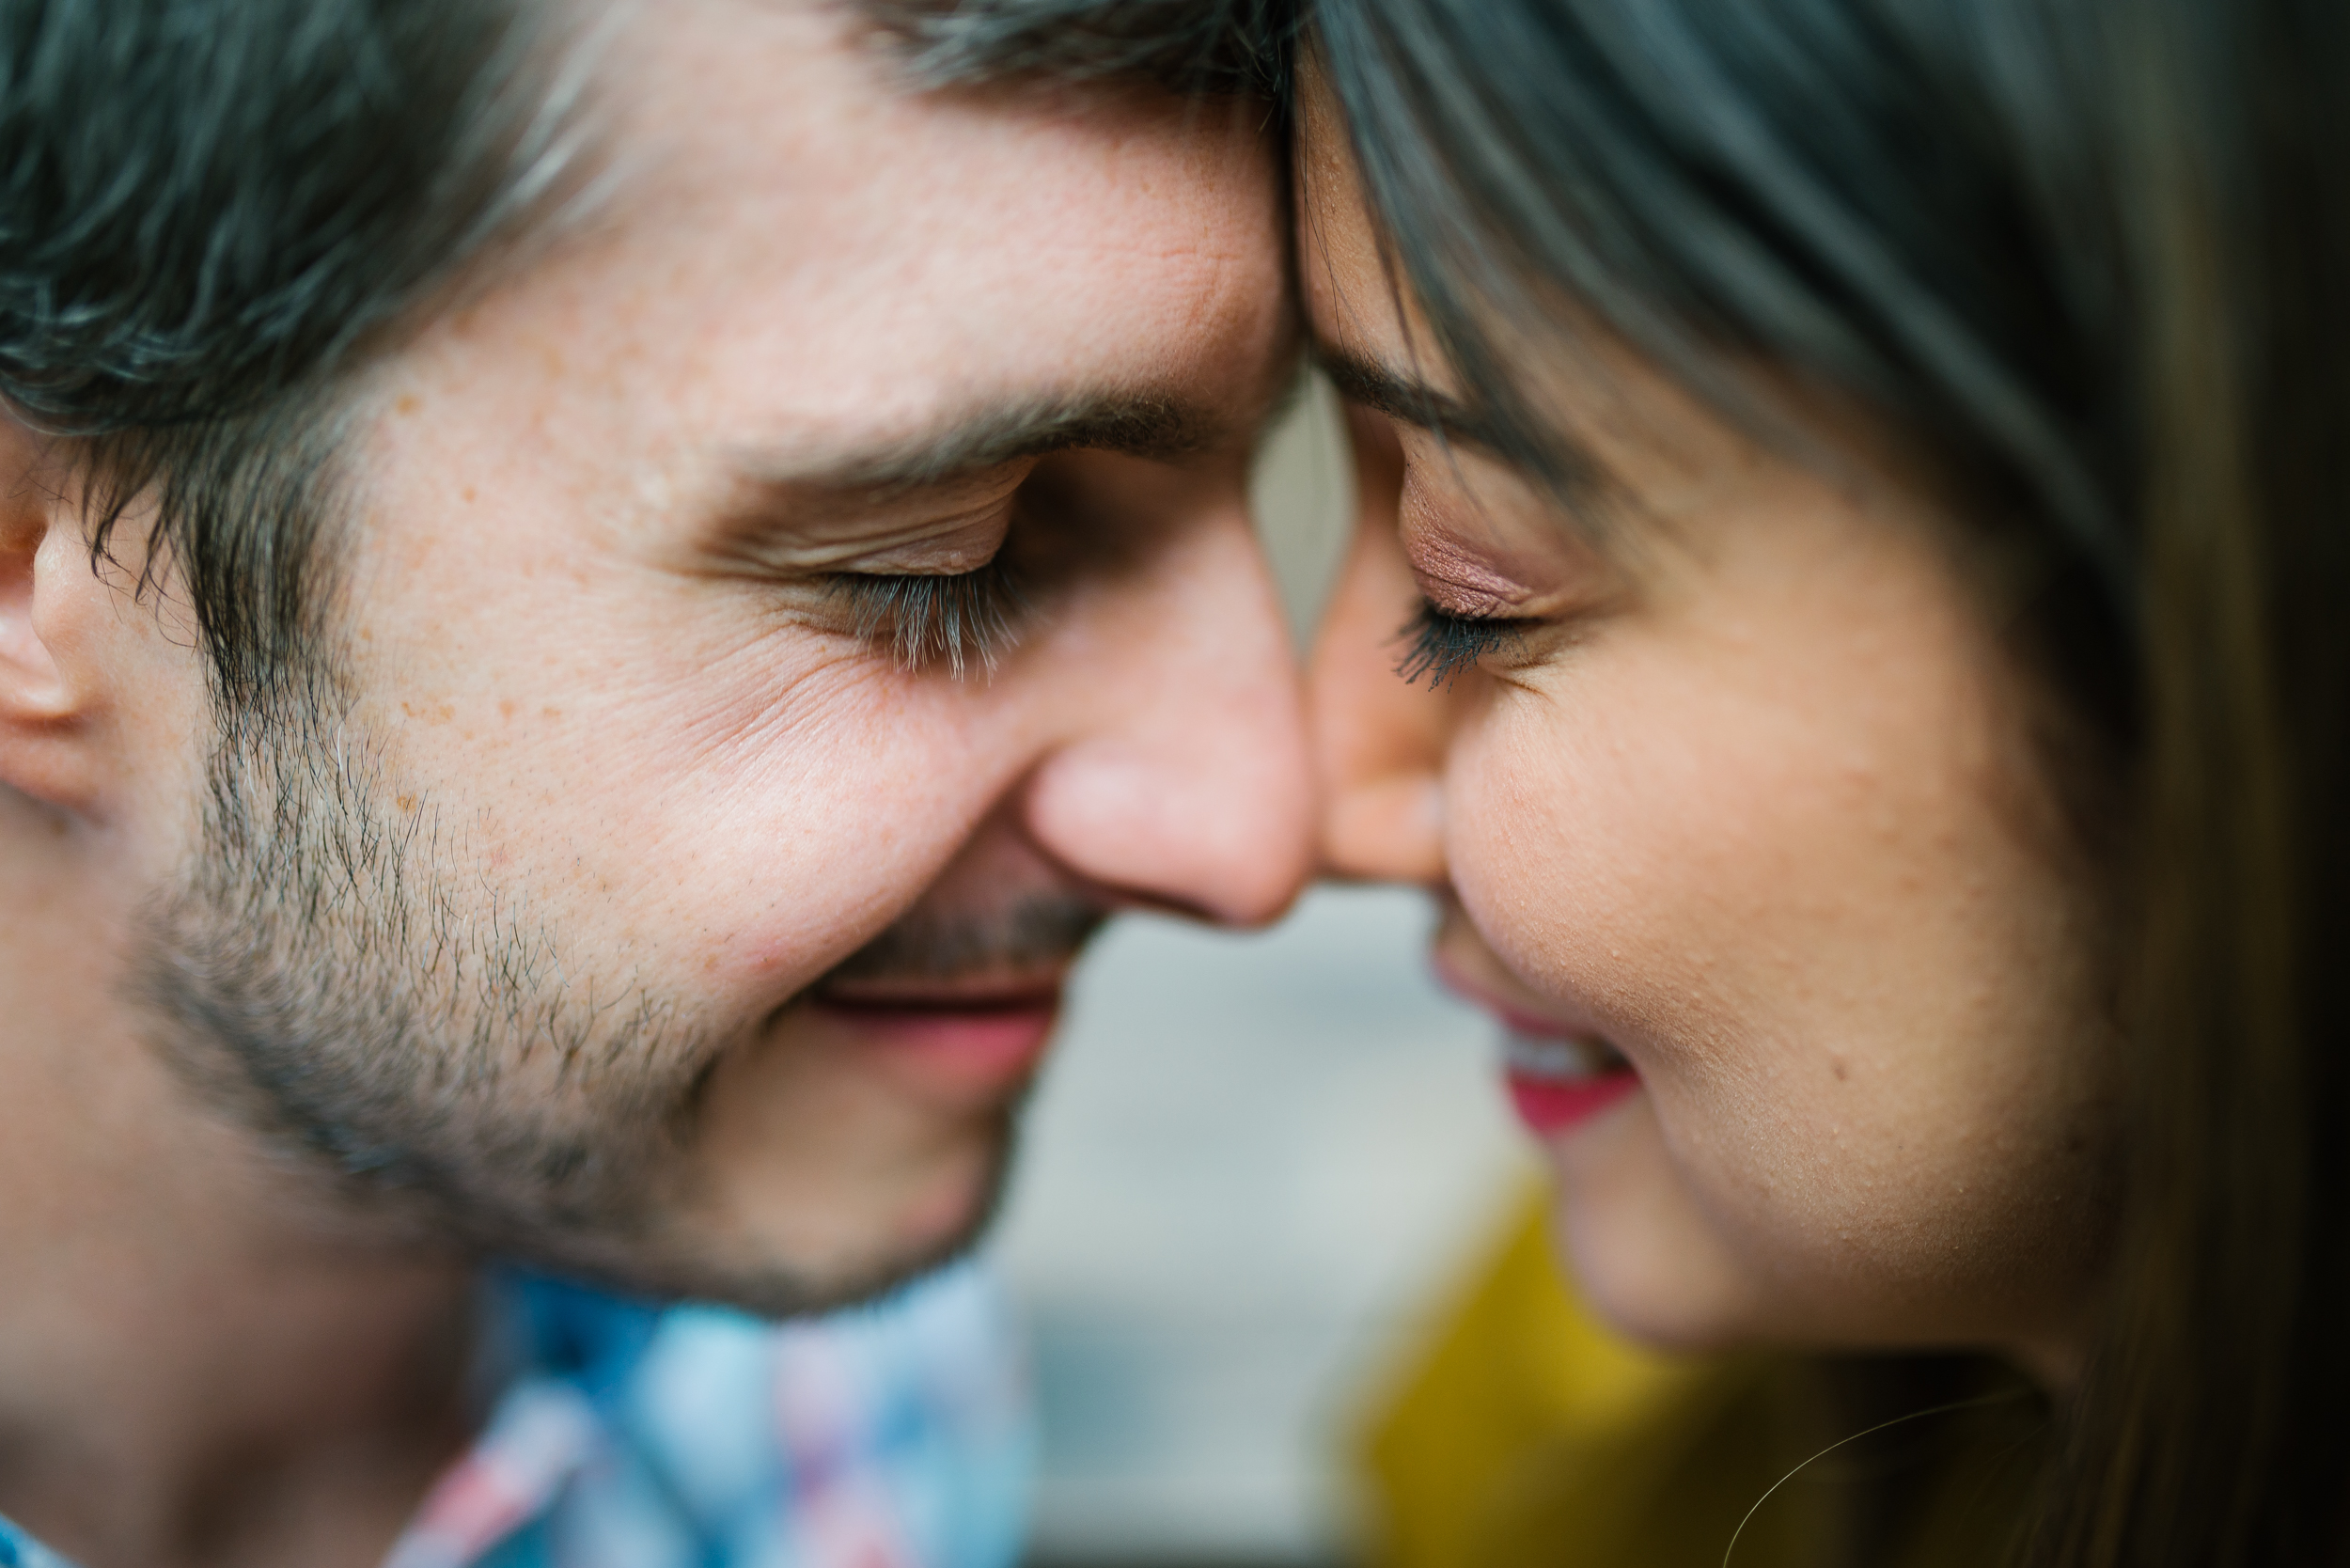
1740 826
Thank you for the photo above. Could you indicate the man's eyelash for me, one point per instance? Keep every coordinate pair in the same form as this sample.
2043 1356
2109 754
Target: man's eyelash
953 620
1440 645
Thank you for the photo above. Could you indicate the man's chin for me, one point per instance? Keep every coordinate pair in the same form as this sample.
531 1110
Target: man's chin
759 1268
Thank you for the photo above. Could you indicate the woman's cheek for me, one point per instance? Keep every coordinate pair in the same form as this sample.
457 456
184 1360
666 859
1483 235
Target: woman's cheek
1623 880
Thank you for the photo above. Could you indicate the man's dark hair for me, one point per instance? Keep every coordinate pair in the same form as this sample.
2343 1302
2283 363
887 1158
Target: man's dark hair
212 211
207 205
1188 46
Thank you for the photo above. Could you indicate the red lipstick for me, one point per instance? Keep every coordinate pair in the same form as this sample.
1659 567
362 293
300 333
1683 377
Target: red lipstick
1558 1077
1559 1084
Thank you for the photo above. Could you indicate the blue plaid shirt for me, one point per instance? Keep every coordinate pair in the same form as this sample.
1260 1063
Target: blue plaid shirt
635 1437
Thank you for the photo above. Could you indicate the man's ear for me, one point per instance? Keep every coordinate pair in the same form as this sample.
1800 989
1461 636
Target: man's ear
51 674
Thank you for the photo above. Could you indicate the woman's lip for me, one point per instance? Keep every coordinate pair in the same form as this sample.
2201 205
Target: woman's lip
1517 1019
1548 1105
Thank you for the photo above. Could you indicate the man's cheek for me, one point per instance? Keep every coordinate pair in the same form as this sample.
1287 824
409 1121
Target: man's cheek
753 863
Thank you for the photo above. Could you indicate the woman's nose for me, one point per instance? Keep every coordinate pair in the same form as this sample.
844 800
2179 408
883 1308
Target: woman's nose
1378 740
1378 743
1188 785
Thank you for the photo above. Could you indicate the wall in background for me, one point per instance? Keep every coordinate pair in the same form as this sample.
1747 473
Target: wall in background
1252 1166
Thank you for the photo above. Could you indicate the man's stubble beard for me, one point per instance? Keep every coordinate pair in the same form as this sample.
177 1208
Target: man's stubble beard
415 1047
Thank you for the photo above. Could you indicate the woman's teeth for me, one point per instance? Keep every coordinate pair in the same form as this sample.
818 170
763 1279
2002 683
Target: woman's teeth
1558 1061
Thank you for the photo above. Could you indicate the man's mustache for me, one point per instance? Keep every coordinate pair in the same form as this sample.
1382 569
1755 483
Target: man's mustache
1042 931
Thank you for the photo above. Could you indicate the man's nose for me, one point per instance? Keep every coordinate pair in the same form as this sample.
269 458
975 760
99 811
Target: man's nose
1188 785
1378 740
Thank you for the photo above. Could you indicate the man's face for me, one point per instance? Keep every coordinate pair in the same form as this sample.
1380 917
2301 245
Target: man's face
770 631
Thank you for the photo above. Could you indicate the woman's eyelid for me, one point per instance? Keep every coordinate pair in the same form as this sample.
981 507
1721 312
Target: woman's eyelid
1487 569
1469 598
1461 580
1484 537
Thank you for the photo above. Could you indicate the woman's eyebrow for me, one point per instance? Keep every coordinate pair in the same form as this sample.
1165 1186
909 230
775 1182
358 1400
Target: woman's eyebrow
1400 397
1572 469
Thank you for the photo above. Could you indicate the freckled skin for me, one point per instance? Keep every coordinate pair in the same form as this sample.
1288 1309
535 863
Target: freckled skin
655 785
696 774
1755 803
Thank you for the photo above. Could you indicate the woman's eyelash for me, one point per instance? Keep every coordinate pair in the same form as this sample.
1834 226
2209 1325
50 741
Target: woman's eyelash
954 619
1440 645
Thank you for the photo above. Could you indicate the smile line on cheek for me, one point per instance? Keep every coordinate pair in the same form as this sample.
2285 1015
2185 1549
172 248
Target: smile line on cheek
1558 1076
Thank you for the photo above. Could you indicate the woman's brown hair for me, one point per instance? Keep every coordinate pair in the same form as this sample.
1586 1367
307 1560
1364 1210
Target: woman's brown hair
2088 255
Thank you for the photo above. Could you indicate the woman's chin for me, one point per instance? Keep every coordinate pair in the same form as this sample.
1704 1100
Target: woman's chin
1634 1244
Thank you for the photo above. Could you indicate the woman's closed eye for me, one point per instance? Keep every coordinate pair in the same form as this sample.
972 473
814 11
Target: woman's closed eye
1440 644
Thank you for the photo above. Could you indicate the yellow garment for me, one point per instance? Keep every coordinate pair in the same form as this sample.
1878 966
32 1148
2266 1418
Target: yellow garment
1527 1433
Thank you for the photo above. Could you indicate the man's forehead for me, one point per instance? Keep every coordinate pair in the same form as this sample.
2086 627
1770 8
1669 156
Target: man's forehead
779 144
808 269
733 85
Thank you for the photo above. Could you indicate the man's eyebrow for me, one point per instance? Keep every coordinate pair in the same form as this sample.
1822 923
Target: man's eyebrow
1134 424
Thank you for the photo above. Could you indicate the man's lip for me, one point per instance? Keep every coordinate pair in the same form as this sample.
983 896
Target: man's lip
978 994
965 1048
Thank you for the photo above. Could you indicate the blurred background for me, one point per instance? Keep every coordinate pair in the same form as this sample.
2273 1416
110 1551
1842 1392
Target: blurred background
1254 1167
